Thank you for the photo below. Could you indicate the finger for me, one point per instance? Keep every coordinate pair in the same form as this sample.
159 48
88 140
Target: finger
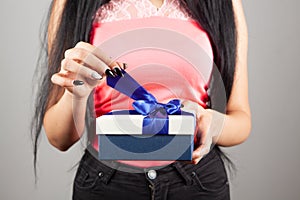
62 80
86 58
193 107
101 55
202 137
200 152
115 67
196 161
122 65
196 157
98 53
197 153
76 68
125 65
204 127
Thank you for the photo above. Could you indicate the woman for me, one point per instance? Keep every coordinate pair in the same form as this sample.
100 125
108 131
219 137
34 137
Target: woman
76 67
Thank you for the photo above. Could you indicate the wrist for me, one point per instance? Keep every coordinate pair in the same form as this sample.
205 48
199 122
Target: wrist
72 97
217 124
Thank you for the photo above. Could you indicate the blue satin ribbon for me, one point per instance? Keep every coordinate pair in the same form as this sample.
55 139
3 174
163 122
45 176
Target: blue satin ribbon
156 120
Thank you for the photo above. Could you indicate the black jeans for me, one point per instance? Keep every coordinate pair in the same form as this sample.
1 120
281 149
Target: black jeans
205 181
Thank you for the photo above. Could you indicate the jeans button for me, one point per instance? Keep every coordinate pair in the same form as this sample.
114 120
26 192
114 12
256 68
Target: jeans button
101 174
194 174
152 174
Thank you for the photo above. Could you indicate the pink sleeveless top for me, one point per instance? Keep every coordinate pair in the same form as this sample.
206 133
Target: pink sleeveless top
165 74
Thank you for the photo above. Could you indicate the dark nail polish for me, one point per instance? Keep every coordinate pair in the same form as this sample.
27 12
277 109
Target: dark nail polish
125 65
118 71
108 72
78 82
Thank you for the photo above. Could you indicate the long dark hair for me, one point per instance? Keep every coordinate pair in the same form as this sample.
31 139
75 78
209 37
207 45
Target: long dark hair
215 16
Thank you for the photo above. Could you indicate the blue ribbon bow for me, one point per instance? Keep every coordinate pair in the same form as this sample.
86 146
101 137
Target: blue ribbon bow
156 120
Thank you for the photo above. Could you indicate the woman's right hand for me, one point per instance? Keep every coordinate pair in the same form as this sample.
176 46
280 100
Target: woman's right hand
83 68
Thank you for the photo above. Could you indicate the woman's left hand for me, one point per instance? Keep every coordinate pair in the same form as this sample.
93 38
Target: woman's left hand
208 127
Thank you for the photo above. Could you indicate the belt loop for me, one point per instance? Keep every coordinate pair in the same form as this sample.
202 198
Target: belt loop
180 168
109 174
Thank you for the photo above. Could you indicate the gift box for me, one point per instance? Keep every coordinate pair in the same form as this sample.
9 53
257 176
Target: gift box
153 131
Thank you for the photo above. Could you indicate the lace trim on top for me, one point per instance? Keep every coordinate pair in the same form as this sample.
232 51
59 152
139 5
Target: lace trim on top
116 10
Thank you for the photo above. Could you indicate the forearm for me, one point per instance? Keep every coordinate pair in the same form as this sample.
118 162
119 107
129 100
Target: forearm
233 128
64 122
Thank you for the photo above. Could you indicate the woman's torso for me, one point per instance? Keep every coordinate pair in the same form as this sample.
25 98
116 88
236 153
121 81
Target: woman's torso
165 74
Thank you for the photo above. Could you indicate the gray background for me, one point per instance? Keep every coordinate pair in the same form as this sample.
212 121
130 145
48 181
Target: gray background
268 162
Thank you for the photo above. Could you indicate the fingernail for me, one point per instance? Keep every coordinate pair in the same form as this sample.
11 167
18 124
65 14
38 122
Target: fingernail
109 73
96 76
125 65
78 82
118 71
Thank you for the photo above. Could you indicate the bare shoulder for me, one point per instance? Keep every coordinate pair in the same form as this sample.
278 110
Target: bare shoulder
239 95
239 15
242 33
237 3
